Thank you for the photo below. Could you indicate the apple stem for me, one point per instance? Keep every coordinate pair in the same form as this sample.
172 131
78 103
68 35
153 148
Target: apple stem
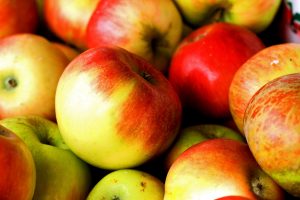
10 83
148 77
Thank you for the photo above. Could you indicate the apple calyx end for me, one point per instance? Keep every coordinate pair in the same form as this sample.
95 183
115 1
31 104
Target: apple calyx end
10 83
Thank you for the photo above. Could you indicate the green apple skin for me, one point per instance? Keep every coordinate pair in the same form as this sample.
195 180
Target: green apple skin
115 110
271 127
217 168
59 173
17 168
128 184
150 29
255 15
30 67
191 135
264 66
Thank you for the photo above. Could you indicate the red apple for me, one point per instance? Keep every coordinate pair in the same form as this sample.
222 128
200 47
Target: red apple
267 64
216 168
205 62
68 19
17 168
150 29
18 16
114 109
272 130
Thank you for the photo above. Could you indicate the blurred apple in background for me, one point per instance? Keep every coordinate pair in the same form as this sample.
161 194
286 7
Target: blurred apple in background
115 110
205 62
17 168
150 29
255 15
69 52
191 135
30 67
59 173
272 130
68 19
128 184
18 16
270 63
216 168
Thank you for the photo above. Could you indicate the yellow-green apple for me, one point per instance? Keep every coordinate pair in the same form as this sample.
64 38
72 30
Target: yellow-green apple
30 67
267 64
194 134
205 62
114 109
69 51
68 19
216 168
18 16
150 29
128 184
272 130
255 15
59 173
17 168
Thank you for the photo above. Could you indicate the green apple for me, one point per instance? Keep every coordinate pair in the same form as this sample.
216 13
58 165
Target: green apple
191 135
59 173
255 15
128 184
30 67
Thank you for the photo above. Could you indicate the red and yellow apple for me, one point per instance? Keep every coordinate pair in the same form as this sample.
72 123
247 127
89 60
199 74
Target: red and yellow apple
205 62
272 130
216 168
18 16
255 15
150 29
68 19
115 110
17 168
30 67
267 64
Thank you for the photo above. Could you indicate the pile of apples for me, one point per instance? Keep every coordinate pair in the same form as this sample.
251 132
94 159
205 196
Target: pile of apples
148 100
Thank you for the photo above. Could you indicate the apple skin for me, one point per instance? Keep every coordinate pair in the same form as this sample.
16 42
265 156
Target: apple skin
17 168
18 16
200 71
195 134
269 63
128 184
59 173
27 89
68 19
150 29
67 50
115 110
216 168
271 127
255 15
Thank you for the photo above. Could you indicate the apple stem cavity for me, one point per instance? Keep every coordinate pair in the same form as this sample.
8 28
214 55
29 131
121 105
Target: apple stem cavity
148 77
10 83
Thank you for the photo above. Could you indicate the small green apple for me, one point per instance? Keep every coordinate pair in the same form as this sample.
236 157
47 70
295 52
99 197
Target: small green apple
191 135
59 173
128 184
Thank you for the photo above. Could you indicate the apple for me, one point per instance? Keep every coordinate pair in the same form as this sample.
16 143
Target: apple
68 51
216 168
30 67
255 15
18 16
17 168
267 64
150 29
191 135
271 127
205 62
233 198
115 110
59 173
68 19
128 184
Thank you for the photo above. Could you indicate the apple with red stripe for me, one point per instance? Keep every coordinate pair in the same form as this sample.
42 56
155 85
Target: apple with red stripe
115 110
